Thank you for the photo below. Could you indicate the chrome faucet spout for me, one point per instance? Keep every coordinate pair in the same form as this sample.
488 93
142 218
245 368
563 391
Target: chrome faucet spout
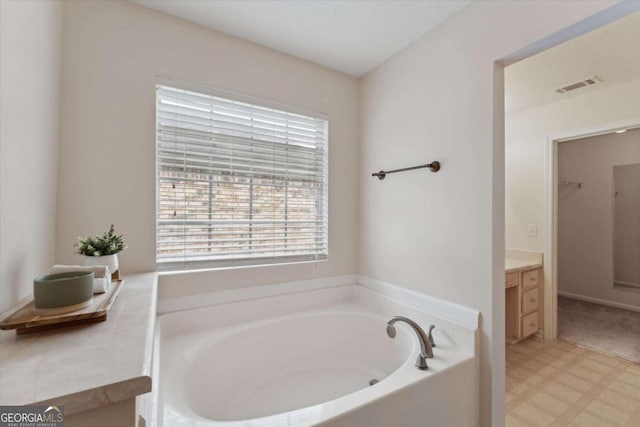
426 344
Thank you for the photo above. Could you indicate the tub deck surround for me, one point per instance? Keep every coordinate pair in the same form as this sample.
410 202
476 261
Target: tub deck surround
456 313
85 367
306 358
187 302
516 260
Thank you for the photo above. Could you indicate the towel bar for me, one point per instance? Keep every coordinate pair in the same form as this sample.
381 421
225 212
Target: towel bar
433 167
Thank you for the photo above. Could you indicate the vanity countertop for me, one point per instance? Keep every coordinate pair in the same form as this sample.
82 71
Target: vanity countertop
85 367
516 260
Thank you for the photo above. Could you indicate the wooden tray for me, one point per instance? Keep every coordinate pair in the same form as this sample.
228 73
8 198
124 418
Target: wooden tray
26 319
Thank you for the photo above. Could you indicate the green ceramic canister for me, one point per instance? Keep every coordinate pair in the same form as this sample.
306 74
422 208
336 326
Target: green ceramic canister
62 289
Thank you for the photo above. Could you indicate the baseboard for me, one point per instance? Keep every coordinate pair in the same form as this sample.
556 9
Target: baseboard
627 284
623 288
600 301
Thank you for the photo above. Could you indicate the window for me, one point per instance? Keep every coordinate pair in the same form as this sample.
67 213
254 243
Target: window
238 182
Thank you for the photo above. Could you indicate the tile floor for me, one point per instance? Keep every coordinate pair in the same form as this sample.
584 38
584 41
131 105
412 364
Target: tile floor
553 383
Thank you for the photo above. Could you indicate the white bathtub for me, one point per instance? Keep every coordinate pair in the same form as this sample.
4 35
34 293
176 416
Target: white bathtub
307 359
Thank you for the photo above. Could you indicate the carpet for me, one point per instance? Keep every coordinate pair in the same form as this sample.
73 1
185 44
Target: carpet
608 330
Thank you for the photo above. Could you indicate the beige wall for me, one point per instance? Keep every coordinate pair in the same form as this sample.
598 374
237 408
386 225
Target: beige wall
114 51
30 61
626 222
526 132
585 215
443 233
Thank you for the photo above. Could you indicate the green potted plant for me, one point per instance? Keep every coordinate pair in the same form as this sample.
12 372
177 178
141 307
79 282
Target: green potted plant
102 249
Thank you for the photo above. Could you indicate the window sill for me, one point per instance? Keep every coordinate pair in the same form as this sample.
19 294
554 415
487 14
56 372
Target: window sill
204 269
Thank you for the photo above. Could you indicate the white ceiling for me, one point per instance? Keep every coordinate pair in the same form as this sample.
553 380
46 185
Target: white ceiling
611 53
350 36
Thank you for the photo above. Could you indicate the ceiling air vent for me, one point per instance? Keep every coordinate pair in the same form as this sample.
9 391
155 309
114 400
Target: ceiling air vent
577 85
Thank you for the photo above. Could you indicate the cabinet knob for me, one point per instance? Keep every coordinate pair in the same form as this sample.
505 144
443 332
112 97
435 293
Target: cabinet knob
532 278
532 324
532 300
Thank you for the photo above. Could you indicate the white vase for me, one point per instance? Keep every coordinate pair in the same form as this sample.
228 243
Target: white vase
110 261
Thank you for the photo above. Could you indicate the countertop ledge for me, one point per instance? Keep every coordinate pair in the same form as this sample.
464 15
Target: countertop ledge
89 366
516 260
518 265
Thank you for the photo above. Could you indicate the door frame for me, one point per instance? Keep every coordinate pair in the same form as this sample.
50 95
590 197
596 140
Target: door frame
550 240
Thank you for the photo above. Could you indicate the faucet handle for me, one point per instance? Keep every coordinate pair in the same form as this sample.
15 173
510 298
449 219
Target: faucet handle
433 343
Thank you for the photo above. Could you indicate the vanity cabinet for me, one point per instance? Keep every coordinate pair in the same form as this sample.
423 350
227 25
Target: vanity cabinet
523 303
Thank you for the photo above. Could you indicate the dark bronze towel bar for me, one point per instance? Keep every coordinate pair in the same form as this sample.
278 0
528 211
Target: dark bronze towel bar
433 167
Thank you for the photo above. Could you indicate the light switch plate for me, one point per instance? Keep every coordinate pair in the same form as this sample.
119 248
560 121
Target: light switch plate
532 230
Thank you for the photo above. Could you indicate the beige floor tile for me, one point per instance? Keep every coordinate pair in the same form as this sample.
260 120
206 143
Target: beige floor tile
634 369
630 378
548 371
521 388
608 412
556 353
562 392
549 403
555 384
558 364
536 380
512 421
586 419
625 389
534 415
634 421
593 365
521 373
604 360
534 365
624 403
586 374
546 359
574 382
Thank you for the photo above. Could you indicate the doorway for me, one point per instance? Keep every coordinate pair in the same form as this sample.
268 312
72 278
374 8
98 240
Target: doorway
597 240
563 95
542 112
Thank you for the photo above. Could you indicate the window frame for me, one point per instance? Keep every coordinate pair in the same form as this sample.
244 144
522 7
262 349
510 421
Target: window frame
243 260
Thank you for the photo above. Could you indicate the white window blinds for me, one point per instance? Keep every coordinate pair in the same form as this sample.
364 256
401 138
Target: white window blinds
238 183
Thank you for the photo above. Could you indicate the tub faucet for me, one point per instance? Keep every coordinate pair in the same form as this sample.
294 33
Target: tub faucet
426 341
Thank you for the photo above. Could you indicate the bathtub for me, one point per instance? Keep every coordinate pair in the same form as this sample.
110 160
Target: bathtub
320 357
